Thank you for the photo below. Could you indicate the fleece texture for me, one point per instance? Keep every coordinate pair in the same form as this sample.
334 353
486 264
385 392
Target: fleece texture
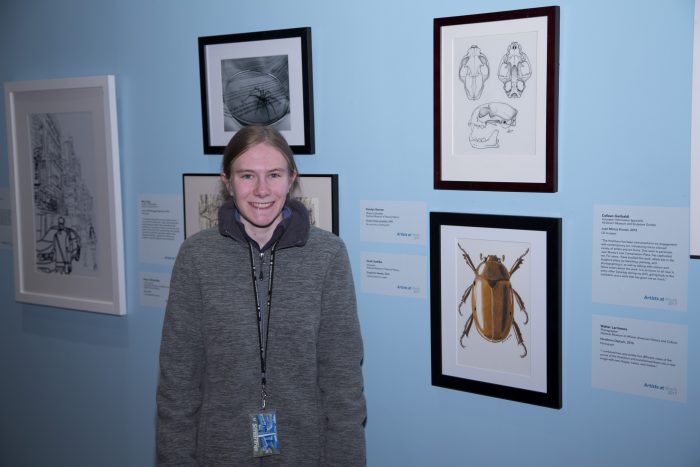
210 362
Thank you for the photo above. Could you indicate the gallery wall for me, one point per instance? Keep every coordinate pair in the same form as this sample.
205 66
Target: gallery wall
78 388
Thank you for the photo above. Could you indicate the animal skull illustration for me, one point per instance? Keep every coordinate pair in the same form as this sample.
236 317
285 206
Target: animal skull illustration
473 72
514 70
484 123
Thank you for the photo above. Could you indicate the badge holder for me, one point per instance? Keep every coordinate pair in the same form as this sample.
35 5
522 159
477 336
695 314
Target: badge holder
264 430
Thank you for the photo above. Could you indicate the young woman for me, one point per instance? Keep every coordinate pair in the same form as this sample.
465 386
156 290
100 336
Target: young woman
261 348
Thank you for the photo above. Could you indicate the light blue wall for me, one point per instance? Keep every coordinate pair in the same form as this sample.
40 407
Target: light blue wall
77 389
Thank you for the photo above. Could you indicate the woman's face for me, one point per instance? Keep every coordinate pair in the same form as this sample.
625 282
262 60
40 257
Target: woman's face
259 183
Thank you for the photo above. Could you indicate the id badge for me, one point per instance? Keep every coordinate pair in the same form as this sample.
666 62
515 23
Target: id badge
264 429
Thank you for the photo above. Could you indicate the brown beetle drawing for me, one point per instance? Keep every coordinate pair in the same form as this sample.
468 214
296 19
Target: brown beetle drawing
492 299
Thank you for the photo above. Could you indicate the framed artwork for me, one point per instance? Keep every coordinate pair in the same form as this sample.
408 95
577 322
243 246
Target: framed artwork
496 98
496 306
65 193
695 143
203 195
257 78
319 193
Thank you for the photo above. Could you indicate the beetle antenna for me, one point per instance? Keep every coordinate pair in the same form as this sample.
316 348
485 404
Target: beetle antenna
518 262
467 259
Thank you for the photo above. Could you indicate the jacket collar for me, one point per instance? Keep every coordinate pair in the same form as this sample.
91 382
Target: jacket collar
295 229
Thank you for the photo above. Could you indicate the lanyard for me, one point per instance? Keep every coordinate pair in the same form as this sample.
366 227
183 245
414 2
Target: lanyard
262 344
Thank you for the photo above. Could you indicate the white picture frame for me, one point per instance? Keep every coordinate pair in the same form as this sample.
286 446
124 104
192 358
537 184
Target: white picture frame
65 193
695 143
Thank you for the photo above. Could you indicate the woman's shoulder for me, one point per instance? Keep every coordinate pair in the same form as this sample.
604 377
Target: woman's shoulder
323 235
324 239
203 235
202 240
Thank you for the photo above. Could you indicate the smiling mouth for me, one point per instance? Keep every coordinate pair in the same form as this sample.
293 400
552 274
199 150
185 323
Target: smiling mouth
262 205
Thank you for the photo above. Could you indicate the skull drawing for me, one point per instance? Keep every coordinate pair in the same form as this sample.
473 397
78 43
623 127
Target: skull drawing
485 122
473 72
514 70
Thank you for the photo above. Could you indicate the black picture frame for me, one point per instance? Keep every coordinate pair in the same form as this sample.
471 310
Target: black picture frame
202 196
495 98
492 360
257 78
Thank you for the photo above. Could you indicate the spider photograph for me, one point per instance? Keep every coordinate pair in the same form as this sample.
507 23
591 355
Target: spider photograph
257 78
255 92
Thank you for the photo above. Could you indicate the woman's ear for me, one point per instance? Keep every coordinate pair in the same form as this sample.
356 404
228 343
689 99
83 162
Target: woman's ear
226 183
292 183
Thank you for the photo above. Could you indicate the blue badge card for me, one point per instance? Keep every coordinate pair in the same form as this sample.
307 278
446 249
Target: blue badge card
264 430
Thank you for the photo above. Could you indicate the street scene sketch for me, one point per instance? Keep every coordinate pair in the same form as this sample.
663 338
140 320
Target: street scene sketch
208 208
63 187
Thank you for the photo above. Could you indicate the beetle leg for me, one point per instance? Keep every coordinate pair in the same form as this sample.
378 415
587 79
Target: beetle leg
521 304
464 298
518 262
519 337
467 327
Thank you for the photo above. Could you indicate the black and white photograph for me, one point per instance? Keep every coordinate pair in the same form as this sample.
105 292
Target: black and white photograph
257 78
256 92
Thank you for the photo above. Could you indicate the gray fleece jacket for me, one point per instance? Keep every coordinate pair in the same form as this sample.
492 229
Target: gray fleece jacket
210 362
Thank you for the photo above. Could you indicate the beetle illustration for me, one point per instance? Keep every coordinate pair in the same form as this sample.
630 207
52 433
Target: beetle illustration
492 299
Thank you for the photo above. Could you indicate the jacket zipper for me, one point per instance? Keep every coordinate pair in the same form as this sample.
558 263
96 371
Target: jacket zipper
262 264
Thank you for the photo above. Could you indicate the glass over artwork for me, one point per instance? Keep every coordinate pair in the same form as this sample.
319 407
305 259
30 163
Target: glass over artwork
63 181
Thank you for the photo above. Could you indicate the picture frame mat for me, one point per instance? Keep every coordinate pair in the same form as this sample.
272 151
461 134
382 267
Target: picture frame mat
324 187
194 186
537 300
493 167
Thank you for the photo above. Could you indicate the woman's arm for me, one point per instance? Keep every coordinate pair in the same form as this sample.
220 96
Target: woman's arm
182 358
339 367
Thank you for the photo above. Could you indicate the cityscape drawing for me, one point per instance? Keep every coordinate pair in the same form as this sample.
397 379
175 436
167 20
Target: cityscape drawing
64 217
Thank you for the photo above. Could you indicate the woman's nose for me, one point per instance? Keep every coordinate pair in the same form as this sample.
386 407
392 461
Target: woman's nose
261 187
